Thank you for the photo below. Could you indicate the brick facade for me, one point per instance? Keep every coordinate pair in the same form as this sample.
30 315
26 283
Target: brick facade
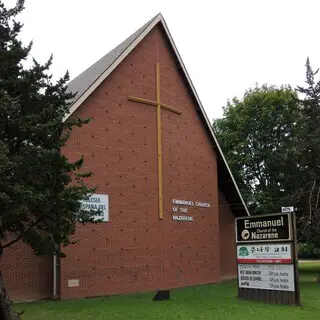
135 251
228 264
26 276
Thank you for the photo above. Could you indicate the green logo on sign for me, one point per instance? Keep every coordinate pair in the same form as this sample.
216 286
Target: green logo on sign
243 252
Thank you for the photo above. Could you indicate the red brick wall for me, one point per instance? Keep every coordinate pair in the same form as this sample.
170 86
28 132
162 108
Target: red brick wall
228 265
26 276
136 251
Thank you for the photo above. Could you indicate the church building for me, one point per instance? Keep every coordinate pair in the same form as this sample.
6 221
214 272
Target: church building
168 197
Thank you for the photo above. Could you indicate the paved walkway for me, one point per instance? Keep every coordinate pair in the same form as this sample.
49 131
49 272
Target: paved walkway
308 261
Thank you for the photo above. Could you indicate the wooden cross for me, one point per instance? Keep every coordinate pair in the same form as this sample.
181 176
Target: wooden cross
159 105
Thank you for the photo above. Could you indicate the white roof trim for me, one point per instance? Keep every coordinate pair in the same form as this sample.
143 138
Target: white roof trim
158 18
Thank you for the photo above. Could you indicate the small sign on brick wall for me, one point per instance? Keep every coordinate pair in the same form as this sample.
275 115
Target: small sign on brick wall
73 283
97 202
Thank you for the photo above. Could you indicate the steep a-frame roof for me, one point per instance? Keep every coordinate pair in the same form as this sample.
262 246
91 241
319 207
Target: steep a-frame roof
84 84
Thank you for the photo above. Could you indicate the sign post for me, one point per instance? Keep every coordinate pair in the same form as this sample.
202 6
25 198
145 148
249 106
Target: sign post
267 258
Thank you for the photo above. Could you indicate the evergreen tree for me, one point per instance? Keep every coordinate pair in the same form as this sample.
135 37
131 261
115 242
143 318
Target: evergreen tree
40 190
308 146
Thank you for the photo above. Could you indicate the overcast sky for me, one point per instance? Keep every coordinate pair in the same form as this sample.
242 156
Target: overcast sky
226 45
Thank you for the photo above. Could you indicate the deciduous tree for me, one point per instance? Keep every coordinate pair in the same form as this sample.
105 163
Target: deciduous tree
257 134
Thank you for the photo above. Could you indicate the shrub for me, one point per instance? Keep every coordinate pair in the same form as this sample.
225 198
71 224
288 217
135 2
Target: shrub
308 251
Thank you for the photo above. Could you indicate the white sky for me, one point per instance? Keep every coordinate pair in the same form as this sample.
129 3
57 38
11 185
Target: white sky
226 45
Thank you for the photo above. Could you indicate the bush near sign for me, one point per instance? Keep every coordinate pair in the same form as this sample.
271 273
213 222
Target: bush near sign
264 228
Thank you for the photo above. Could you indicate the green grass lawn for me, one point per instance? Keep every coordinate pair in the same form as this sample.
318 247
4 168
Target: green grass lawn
202 302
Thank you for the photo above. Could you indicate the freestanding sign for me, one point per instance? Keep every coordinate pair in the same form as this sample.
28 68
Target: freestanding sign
267 258
264 228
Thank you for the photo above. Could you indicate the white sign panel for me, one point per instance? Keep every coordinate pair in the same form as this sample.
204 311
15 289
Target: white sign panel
266 276
287 209
97 202
73 283
264 253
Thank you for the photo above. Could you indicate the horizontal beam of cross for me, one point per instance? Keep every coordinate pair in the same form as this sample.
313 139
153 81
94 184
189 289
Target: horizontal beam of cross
154 103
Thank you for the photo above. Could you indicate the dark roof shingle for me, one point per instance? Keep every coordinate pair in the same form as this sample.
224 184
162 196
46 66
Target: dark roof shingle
82 82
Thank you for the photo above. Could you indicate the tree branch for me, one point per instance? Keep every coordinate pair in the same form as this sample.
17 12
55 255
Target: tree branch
310 207
316 207
21 234
11 242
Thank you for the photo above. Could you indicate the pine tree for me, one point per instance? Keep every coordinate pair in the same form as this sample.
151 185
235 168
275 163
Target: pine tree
40 190
308 146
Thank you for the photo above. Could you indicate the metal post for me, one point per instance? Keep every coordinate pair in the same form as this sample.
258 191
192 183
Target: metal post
295 257
55 276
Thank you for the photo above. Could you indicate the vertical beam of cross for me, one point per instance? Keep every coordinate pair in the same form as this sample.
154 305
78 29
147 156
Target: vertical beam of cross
160 185
159 106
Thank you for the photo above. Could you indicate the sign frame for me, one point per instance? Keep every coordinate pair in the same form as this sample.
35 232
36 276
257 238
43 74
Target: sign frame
289 214
271 295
